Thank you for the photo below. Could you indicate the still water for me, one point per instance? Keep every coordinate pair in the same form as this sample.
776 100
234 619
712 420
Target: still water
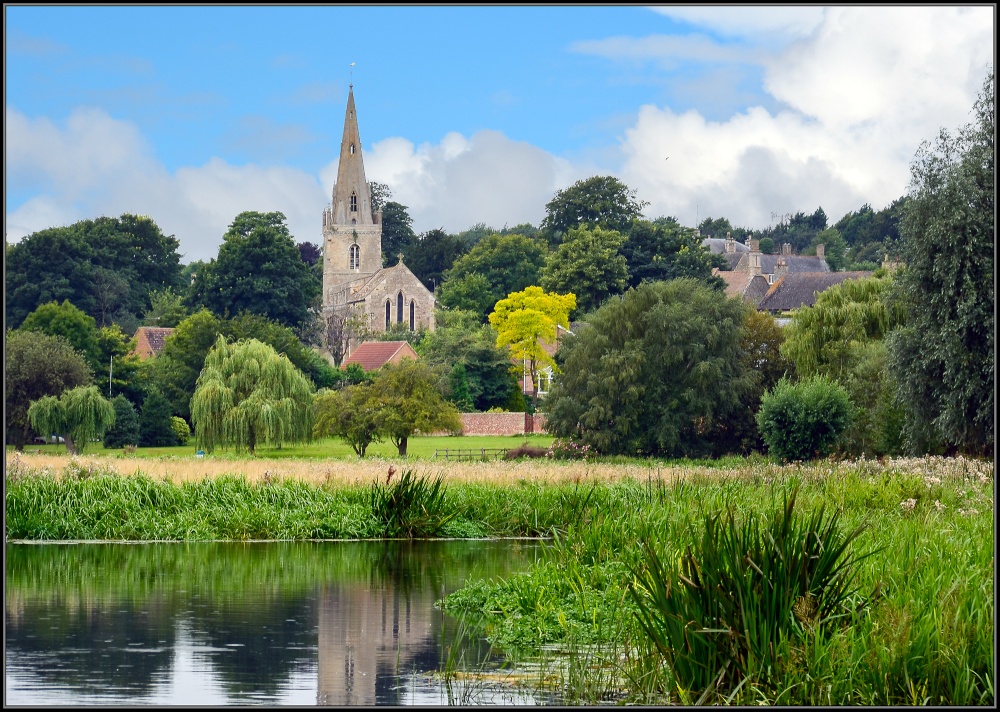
304 623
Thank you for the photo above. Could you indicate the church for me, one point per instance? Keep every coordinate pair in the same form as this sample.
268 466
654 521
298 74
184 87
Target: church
355 284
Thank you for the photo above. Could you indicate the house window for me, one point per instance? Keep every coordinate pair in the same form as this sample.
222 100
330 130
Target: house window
355 258
412 313
388 314
399 308
354 202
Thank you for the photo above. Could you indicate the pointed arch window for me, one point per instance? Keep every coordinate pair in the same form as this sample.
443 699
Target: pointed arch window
412 314
352 149
355 257
388 314
354 202
399 308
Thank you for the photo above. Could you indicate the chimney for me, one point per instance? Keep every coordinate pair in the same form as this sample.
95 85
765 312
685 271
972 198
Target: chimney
821 250
754 257
730 244
780 267
786 248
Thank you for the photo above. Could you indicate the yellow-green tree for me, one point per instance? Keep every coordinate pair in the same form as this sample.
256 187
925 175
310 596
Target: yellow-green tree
78 415
525 320
248 395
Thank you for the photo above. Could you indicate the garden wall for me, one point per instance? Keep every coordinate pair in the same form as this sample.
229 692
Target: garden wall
502 423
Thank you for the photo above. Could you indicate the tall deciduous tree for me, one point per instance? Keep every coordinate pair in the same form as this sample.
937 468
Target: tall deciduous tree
947 350
397 233
496 266
525 321
656 372
249 395
486 366
601 200
37 365
258 270
410 401
588 263
432 255
72 324
662 249
78 415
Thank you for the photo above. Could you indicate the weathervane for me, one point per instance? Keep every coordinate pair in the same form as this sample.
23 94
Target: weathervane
352 73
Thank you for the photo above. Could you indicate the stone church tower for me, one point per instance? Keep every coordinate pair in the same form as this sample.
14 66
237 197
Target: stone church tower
354 282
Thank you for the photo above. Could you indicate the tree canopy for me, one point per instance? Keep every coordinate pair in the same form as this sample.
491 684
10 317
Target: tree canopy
258 270
72 324
106 267
37 365
351 413
249 395
397 233
947 287
410 400
603 201
526 321
657 371
78 415
433 254
662 249
484 365
587 262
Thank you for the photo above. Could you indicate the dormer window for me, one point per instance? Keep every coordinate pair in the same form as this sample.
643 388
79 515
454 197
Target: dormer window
355 257
354 202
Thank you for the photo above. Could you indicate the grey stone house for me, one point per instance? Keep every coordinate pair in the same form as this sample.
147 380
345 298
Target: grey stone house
354 281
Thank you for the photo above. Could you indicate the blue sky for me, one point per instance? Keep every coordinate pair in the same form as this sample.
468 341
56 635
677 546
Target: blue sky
474 114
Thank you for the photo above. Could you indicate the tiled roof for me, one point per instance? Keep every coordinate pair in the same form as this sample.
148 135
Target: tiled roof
749 287
373 355
150 340
798 289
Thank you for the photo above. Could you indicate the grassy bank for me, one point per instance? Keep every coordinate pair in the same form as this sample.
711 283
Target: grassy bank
920 629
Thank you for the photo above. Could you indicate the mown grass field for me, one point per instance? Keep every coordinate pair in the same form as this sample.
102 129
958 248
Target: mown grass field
920 629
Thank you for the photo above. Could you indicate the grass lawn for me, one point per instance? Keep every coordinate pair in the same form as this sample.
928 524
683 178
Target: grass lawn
418 448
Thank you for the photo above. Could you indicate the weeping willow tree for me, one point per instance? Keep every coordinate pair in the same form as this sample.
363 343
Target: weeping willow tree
843 337
78 415
248 395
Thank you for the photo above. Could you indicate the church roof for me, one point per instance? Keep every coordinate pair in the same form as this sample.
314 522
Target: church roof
373 355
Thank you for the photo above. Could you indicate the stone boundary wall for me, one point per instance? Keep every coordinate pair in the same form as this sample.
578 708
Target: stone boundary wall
500 423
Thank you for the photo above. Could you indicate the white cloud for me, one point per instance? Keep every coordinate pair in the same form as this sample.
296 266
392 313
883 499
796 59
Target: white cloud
749 21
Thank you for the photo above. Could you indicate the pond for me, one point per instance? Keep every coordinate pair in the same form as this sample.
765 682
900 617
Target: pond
298 623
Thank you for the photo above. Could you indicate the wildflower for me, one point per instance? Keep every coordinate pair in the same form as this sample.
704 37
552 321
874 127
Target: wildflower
938 506
908 504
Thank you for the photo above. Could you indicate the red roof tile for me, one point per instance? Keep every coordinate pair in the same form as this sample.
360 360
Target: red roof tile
150 340
373 355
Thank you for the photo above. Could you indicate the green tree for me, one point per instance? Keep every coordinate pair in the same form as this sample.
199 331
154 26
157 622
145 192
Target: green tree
78 415
657 371
397 233
834 246
662 249
766 246
460 395
128 374
486 366
603 201
587 262
351 413
715 227
175 371
258 270
106 267
249 395
37 365
496 266
433 254
410 401
525 321
841 336
125 431
166 309
72 324
155 429
947 349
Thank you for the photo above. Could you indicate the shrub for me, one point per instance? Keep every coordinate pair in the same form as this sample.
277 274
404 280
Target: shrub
802 421
526 451
411 506
181 429
568 449
745 596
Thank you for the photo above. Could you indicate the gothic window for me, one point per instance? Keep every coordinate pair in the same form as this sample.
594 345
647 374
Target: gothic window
399 308
411 315
355 257
354 202
352 149
388 314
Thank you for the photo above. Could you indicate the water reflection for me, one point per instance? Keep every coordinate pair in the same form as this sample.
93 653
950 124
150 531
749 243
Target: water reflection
348 623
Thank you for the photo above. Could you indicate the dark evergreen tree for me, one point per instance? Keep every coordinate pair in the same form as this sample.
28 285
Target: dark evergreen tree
125 431
155 429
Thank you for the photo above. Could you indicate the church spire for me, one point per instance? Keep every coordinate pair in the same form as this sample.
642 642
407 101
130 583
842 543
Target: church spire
351 196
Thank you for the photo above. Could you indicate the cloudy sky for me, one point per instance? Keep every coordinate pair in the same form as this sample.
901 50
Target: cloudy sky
479 114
